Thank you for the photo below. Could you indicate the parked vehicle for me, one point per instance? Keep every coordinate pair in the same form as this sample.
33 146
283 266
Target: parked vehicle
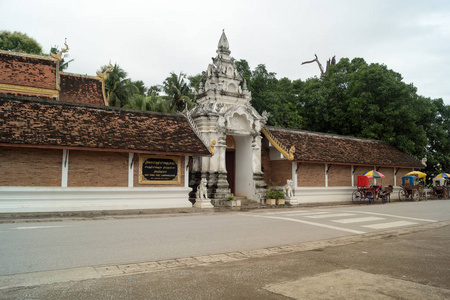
412 188
441 186
366 193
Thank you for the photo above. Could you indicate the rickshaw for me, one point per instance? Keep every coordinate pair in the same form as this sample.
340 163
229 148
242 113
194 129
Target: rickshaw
441 186
365 193
413 187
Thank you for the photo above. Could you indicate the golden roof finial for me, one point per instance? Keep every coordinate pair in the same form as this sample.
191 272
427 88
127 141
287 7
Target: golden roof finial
59 55
104 75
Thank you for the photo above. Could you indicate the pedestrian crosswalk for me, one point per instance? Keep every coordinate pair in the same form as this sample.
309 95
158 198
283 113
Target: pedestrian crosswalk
350 221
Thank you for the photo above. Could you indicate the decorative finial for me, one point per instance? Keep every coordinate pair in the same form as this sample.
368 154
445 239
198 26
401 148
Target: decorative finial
59 55
104 75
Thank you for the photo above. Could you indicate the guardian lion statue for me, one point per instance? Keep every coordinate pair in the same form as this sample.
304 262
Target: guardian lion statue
288 189
202 191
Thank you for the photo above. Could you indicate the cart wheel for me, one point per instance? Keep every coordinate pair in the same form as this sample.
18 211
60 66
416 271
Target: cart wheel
356 197
415 196
402 196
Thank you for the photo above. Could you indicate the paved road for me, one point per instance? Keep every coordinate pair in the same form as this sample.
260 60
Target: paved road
406 263
32 247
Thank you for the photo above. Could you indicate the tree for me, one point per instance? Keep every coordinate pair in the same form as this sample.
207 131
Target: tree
19 42
178 91
119 89
149 103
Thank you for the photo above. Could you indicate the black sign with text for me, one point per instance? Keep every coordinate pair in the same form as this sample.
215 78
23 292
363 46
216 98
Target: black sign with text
159 169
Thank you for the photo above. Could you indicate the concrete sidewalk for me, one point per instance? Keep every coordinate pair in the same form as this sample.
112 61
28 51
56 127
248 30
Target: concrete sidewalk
22 217
408 263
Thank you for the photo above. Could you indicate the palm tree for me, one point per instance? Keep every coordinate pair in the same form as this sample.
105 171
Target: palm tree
149 103
119 89
178 91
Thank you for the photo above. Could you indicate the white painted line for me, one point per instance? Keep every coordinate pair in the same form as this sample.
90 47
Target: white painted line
309 213
394 216
389 225
358 220
39 227
329 216
309 223
294 213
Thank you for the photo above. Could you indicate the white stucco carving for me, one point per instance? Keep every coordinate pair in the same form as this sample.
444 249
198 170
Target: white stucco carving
224 109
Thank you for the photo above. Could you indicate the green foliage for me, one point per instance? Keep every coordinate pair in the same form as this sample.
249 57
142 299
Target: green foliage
178 91
230 198
149 103
19 42
356 99
275 194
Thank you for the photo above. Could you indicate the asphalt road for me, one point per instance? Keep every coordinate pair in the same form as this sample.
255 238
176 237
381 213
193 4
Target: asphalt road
43 246
406 263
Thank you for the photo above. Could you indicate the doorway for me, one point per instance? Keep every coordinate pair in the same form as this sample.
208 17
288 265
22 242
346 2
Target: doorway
230 163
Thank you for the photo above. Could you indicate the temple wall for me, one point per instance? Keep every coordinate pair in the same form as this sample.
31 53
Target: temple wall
97 169
311 175
339 175
266 165
281 172
30 167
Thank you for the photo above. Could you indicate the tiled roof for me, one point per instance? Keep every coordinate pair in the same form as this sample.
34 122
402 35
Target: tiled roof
27 70
30 121
81 89
36 75
328 148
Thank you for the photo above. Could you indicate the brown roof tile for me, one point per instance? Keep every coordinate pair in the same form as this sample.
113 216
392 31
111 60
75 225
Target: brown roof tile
321 147
27 70
31 121
81 89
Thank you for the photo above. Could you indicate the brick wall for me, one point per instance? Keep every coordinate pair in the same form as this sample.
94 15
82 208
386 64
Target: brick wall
266 164
311 175
281 172
339 175
30 167
388 176
97 169
136 175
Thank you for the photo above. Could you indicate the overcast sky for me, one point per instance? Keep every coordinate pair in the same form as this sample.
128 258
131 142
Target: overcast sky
150 39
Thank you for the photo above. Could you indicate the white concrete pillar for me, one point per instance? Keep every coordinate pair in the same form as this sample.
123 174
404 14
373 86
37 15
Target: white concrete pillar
130 169
65 168
294 173
186 171
353 175
395 176
326 175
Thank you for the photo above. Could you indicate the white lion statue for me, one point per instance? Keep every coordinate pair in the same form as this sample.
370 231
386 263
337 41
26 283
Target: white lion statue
202 191
288 189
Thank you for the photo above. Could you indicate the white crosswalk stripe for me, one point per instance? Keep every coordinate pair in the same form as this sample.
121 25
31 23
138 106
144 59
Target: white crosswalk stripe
389 225
358 220
329 216
307 213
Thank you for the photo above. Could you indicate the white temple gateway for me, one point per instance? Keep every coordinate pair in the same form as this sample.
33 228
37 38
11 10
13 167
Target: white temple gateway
228 122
